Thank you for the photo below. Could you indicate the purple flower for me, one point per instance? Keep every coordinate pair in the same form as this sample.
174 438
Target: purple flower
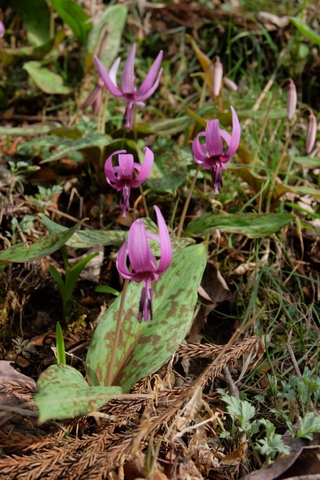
94 99
210 154
122 177
2 29
144 265
128 91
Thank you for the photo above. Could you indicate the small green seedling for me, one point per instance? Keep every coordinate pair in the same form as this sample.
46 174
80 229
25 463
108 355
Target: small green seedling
67 285
61 351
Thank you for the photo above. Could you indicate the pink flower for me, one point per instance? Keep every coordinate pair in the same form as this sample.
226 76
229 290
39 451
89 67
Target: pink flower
144 264
2 29
122 177
128 91
210 154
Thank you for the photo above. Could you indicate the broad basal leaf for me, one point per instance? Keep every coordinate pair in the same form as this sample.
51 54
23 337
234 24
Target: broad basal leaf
145 347
21 253
64 393
62 146
36 17
253 225
113 19
47 81
169 169
74 16
97 238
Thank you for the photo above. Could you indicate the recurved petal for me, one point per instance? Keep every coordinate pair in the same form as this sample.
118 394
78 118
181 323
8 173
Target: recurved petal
235 137
109 169
151 81
140 254
213 139
197 149
126 162
127 79
111 86
114 69
121 262
145 168
165 243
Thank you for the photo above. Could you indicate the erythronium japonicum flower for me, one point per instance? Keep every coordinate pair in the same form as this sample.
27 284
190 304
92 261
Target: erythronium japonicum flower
122 177
128 90
210 154
143 262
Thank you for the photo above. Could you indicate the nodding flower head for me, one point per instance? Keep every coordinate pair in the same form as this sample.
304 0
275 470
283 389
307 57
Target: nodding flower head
128 90
128 174
210 154
145 267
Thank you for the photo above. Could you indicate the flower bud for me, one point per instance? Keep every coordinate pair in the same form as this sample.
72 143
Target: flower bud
291 99
230 84
311 132
2 29
217 76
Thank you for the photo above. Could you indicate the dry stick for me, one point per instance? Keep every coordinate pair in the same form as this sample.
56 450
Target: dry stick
186 205
117 334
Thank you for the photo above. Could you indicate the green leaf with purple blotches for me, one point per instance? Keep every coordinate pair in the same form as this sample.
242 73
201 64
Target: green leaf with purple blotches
145 347
62 392
21 253
253 225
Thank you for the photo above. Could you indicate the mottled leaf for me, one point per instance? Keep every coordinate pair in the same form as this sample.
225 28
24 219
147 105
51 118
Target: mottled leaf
253 225
63 146
64 393
169 169
47 81
113 19
35 52
74 16
95 238
145 347
29 131
21 253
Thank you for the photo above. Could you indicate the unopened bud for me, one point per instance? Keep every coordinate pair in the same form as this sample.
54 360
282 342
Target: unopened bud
230 84
311 132
2 29
217 76
291 99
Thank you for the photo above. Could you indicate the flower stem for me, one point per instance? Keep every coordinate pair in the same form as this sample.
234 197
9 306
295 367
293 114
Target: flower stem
117 334
266 118
186 205
144 201
280 161
101 121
